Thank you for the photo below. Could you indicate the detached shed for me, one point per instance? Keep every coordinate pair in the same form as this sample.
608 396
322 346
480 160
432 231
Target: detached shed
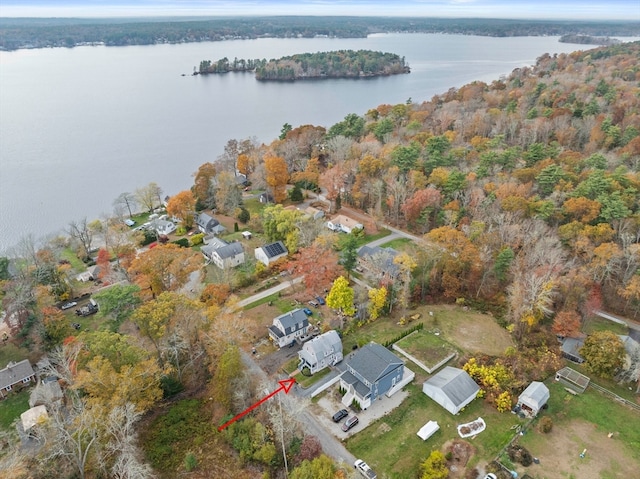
452 388
533 398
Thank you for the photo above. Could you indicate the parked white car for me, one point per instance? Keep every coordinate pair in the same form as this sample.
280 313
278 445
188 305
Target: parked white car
364 469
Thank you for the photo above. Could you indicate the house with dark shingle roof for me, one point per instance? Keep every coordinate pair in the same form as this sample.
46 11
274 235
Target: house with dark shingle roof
208 224
288 327
379 261
224 255
372 371
15 373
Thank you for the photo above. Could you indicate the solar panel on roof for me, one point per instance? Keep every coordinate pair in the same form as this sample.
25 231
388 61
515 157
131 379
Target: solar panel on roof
274 249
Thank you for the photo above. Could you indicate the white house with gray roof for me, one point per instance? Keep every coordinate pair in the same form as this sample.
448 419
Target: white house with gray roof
224 255
321 352
288 327
271 252
14 374
452 388
372 371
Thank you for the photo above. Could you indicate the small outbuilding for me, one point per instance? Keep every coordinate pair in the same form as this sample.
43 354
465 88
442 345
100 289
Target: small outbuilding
33 416
533 399
452 388
428 430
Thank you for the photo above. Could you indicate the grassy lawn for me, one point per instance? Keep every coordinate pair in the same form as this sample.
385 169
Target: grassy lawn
254 206
12 407
391 444
597 323
69 255
283 305
426 347
398 244
11 352
369 238
381 330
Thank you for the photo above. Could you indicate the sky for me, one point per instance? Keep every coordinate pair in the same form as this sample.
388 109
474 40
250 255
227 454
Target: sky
529 9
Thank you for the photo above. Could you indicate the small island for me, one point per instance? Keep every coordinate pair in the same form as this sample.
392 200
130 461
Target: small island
308 66
589 40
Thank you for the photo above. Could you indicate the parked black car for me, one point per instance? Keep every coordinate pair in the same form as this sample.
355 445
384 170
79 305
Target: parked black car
340 415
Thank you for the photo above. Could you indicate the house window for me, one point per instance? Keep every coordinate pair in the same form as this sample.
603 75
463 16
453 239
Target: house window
8 388
393 382
26 380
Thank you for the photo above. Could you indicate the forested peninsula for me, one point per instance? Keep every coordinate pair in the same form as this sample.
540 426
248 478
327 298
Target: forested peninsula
16 33
306 66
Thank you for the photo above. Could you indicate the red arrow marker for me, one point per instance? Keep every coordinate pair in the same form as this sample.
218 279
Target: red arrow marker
285 385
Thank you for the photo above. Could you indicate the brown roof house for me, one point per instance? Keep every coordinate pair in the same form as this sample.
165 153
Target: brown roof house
14 374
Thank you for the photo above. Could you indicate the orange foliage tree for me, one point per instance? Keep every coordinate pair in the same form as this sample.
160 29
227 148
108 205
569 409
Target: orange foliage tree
164 268
183 206
277 177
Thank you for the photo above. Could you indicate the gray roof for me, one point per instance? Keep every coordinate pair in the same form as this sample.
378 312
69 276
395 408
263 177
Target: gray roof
15 373
292 319
456 384
328 342
373 361
387 254
536 394
206 221
571 347
230 250
360 388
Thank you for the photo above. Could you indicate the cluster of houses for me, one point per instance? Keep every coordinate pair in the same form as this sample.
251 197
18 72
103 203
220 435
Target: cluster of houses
372 371
231 254
46 392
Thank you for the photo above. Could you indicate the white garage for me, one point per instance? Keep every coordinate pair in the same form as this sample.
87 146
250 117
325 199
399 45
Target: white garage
452 388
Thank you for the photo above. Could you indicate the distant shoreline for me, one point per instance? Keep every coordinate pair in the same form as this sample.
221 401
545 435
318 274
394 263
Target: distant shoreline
33 33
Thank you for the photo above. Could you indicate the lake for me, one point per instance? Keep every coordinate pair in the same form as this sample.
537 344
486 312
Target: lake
80 126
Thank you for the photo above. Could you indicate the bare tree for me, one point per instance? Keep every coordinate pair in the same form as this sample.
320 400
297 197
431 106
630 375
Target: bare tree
83 234
125 200
121 447
149 196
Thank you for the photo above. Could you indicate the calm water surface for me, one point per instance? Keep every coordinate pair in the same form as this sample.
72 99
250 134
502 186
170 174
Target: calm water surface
80 126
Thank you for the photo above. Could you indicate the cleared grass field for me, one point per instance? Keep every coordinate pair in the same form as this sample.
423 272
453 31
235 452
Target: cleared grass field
391 444
11 408
426 347
608 431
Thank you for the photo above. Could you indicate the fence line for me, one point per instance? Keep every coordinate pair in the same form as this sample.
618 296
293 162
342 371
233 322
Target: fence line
606 392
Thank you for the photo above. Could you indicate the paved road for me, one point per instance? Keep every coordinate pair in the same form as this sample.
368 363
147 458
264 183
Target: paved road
331 446
269 292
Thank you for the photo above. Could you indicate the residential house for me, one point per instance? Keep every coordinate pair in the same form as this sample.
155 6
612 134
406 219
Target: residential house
91 274
344 224
379 261
321 352
208 224
532 399
313 213
33 416
15 373
224 255
164 227
372 371
452 388
270 253
288 327
571 349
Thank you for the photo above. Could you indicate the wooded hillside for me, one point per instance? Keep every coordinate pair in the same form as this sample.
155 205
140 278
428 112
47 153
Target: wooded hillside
530 183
